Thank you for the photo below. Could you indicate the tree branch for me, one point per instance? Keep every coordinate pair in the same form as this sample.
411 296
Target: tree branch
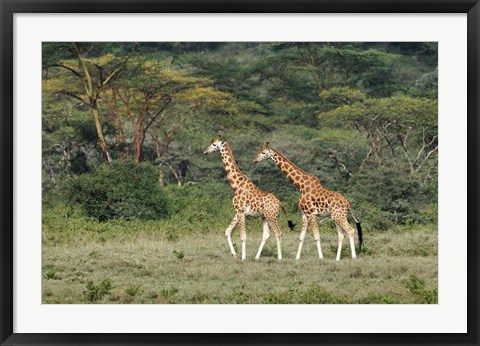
115 72
339 164
65 67
85 70
168 100
76 97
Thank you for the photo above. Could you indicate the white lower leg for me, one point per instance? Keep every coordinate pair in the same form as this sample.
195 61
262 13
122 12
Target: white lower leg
259 252
352 246
230 244
228 233
319 247
244 246
266 235
302 235
279 248
300 247
299 250
339 250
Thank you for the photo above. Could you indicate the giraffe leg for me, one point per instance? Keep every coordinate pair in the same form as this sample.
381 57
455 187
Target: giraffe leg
279 246
243 235
352 245
228 233
266 235
312 220
341 235
303 232
351 236
278 235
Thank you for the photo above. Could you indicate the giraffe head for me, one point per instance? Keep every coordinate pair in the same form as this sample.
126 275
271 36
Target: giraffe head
264 154
216 145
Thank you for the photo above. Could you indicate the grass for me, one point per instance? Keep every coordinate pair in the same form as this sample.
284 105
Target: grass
141 262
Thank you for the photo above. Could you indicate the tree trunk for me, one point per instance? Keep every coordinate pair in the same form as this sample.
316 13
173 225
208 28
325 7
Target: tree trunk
120 138
161 175
51 173
137 145
92 98
101 139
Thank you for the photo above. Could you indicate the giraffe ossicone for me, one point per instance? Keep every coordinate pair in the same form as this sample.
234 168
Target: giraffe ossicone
248 200
315 200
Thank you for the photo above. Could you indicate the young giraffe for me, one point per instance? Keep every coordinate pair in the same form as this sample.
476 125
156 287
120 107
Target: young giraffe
248 200
315 200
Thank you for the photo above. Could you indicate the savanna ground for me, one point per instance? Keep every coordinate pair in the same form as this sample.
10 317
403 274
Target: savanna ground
117 262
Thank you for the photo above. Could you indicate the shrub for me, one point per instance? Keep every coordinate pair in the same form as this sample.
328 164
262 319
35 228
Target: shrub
285 297
318 295
96 292
390 195
168 292
178 254
133 290
122 190
50 274
422 295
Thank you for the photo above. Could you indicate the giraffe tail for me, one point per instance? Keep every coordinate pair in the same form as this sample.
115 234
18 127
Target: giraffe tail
359 230
291 225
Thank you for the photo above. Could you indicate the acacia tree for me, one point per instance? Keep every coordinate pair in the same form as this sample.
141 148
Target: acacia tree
395 126
84 79
338 64
156 98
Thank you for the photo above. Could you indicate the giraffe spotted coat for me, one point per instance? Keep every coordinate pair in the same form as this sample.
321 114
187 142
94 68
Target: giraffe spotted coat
248 200
315 200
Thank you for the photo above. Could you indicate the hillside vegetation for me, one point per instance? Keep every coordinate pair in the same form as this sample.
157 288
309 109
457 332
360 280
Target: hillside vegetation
133 212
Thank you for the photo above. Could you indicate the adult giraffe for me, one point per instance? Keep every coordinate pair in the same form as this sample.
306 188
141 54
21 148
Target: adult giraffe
248 200
315 200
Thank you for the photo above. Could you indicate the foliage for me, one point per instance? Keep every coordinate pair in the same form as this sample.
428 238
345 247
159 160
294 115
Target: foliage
123 190
423 295
395 126
338 96
95 292
394 190
360 116
427 84
178 254
133 290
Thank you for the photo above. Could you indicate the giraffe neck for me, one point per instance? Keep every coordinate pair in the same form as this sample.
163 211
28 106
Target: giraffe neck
294 173
234 175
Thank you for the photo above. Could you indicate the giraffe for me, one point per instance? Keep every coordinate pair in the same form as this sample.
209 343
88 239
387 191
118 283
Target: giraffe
315 200
249 200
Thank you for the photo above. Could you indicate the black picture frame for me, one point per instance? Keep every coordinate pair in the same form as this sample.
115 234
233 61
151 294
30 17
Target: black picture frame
7 175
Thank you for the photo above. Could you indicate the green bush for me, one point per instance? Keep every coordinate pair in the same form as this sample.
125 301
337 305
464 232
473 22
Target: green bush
389 195
133 290
122 190
96 292
422 295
